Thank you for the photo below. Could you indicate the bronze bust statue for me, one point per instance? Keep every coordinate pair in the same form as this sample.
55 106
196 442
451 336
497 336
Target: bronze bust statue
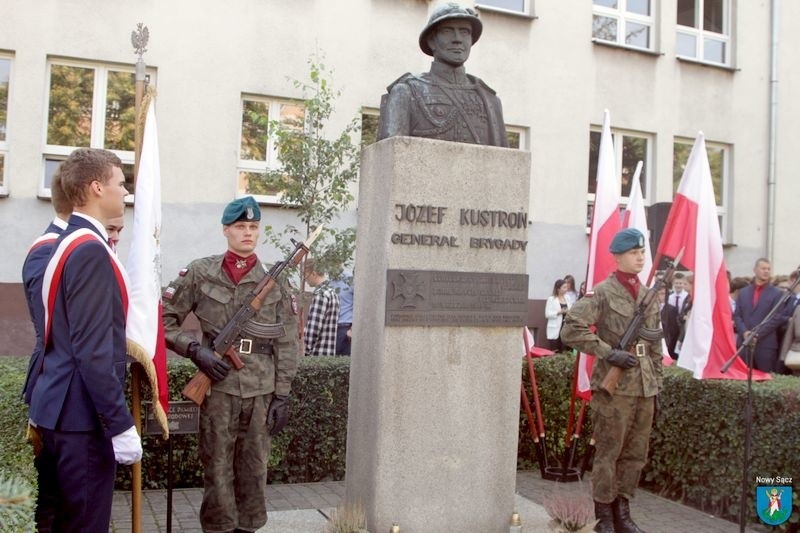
446 103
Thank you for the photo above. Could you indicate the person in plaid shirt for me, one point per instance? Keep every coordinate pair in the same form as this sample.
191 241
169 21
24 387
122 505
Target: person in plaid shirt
323 314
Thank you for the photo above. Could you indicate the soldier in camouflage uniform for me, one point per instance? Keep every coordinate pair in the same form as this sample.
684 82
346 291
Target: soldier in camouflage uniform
445 103
622 422
245 407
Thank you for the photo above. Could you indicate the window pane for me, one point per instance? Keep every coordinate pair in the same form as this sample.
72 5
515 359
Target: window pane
713 15
2 169
255 117
513 139
127 171
714 50
594 153
604 28
255 183
120 112
634 149
293 115
606 3
637 35
369 128
687 13
686 45
716 162
511 5
641 7
69 121
50 167
5 67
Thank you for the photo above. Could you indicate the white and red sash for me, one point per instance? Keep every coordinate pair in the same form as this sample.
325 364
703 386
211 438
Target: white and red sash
55 269
47 238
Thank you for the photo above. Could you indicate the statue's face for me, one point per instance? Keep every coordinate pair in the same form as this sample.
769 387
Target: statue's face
451 41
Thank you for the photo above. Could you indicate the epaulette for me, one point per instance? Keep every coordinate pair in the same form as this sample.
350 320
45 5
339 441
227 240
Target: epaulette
183 272
480 82
589 294
402 79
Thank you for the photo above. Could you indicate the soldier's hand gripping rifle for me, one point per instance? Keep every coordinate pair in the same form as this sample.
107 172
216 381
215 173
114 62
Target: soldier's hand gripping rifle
223 343
634 329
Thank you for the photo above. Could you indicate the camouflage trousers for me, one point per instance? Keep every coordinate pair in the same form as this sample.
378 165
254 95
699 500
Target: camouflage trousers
622 433
234 447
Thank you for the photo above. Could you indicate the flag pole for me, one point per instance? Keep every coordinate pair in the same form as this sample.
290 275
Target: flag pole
139 39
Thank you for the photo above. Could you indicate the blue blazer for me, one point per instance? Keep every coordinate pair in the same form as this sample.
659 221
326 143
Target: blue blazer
747 317
32 273
81 386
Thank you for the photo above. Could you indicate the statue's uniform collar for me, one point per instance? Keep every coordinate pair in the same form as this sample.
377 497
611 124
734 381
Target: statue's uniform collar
449 74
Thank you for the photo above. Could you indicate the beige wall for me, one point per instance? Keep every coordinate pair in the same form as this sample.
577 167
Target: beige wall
550 76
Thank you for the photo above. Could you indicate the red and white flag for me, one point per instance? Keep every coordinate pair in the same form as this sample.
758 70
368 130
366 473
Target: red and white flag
606 222
144 329
635 217
692 223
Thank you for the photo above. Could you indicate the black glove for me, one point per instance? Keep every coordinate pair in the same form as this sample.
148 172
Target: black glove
277 414
207 361
622 359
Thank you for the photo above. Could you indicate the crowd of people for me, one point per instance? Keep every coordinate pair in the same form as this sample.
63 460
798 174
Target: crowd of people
751 299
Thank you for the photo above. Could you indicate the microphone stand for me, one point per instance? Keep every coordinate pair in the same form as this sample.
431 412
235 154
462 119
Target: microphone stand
749 342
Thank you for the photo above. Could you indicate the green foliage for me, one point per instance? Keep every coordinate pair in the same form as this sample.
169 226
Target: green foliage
553 380
311 448
16 455
697 445
316 172
17 503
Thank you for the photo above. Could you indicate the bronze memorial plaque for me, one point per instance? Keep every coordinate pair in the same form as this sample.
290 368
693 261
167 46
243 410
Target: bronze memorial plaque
444 298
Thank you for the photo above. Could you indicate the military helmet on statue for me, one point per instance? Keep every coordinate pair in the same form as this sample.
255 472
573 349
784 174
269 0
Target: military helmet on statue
449 11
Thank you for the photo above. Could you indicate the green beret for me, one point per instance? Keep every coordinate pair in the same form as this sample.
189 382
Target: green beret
625 240
241 209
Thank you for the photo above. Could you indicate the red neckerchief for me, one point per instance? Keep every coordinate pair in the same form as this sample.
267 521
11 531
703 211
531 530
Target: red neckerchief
236 266
757 290
630 282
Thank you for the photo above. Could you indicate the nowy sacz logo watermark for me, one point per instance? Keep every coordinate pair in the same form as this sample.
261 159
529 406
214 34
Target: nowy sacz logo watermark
774 503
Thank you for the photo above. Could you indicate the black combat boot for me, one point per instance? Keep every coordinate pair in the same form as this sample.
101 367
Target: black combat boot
623 522
605 516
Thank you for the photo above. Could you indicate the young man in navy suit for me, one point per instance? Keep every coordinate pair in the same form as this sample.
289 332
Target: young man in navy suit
32 275
752 305
78 402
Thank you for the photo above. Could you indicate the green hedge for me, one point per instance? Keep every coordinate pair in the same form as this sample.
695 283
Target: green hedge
311 448
696 446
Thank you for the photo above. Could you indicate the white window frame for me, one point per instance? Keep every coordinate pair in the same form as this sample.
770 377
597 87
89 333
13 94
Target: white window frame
700 35
4 142
727 152
617 135
527 8
523 135
272 162
97 137
623 17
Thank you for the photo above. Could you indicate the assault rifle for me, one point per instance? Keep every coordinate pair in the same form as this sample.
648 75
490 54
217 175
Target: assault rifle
633 331
198 386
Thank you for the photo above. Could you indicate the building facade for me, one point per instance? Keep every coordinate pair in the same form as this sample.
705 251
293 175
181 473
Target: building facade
665 69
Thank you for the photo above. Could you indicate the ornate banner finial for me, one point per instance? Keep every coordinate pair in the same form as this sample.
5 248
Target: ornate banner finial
139 39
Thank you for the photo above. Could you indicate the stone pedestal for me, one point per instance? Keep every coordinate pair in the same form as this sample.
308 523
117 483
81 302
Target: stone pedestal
434 409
